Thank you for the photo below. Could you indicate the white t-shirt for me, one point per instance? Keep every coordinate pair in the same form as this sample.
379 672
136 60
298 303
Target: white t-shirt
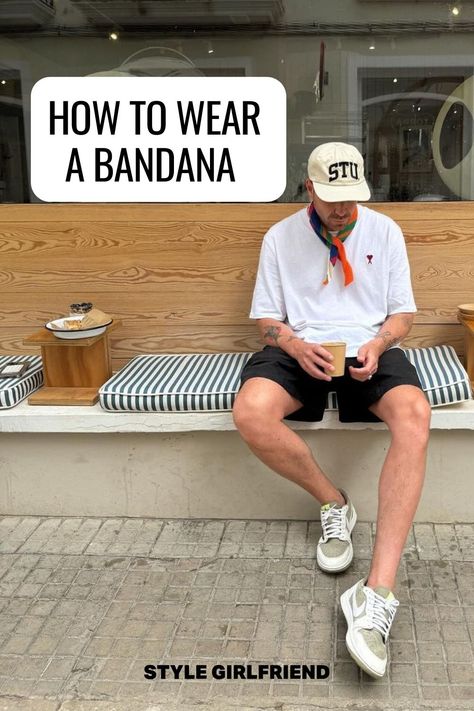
293 266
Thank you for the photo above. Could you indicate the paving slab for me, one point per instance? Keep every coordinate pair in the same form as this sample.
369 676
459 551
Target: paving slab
86 604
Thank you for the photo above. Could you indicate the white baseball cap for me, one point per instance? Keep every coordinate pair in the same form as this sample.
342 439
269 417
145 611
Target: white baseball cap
337 173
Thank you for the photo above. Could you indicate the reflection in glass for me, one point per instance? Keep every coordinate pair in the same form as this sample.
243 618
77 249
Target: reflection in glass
353 71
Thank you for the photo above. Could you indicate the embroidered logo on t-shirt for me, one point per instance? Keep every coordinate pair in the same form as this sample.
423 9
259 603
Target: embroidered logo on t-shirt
369 258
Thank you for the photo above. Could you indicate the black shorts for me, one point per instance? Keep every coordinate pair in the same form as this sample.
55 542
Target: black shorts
354 397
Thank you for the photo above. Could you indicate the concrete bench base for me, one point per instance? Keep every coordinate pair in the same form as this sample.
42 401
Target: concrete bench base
87 462
27 418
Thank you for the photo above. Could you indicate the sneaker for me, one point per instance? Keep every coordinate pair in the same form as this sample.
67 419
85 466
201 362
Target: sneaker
334 552
369 615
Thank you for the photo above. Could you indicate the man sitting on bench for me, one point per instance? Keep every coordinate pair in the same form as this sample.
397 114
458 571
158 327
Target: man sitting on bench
338 271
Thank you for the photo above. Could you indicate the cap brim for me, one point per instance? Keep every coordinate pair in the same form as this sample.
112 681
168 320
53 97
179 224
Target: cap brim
342 193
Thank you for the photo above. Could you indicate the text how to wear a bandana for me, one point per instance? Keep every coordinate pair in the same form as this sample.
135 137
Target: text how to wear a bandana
334 242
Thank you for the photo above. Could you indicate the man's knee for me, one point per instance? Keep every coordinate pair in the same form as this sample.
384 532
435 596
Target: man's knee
259 407
252 415
412 418
241 411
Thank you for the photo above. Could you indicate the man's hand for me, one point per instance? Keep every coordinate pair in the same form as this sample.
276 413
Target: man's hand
368 355
313 358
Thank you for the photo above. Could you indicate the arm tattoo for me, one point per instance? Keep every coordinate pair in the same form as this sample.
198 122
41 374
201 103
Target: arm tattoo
273 333
387 339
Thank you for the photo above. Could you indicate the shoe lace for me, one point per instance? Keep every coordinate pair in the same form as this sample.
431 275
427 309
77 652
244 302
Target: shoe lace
380 612
333 523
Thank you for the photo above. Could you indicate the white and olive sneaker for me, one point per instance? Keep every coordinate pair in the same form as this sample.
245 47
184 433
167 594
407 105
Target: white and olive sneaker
334 552
369 615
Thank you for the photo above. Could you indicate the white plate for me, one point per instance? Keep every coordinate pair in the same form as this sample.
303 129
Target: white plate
57 327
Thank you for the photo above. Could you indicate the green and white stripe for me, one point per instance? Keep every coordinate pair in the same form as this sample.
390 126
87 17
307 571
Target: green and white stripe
14 390
332 402
441 374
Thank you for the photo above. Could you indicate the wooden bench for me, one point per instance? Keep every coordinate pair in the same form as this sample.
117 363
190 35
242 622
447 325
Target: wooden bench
180 278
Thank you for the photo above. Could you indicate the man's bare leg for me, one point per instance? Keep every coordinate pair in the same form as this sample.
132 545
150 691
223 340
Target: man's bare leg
259 410
407 414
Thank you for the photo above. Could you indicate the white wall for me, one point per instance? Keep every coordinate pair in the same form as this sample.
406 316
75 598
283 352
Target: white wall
214 475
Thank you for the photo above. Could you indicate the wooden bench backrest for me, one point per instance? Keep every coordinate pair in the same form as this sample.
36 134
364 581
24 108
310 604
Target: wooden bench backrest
180 277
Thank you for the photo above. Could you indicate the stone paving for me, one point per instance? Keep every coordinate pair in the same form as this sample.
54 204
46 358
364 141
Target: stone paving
85 604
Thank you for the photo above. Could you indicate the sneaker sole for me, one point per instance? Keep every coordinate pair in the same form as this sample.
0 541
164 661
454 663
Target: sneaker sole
346 561
341 566
350 643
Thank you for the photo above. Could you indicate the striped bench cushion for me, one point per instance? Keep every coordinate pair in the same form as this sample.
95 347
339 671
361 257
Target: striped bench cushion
173 383
441 374
200 382
14 390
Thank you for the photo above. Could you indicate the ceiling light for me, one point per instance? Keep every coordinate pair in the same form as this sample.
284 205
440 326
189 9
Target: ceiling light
3 81
371 45
210 48
395 80
113 36
455 10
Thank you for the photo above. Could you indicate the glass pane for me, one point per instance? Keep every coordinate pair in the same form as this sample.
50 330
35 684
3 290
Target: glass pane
399 117
395 79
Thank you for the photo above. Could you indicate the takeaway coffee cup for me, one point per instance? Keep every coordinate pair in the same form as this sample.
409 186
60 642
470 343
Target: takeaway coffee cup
338 350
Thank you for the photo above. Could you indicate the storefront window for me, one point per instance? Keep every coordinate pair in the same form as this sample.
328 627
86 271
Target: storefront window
401 90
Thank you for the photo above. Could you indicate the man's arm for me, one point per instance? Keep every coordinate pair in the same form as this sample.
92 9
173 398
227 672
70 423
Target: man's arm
393 330
276 333
312 357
